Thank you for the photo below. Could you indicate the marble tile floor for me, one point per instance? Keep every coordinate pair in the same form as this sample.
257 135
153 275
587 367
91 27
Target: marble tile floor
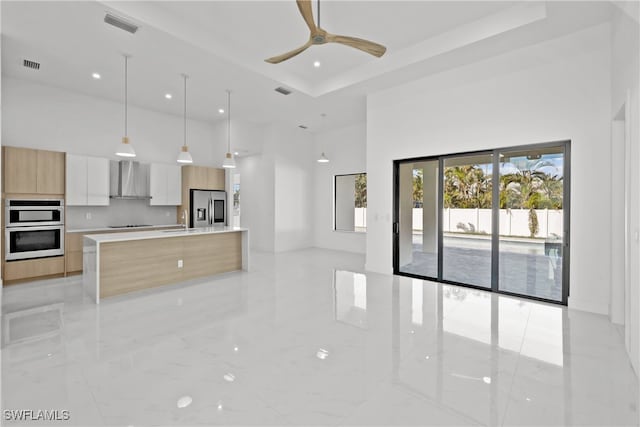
307 338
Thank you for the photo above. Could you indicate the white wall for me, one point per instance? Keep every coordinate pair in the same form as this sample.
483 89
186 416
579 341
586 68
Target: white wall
51 118
292 149
345 202
276 190
257 208
625 190
346 150
552 91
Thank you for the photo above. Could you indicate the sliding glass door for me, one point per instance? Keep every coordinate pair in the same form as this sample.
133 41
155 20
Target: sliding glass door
467 223
531 239
418 218
496 219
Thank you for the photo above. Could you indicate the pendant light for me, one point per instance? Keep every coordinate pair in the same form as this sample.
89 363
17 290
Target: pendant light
185 156
323 159
125 149
229 162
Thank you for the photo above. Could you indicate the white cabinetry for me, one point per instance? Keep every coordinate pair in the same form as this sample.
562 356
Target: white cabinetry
165 185
87 181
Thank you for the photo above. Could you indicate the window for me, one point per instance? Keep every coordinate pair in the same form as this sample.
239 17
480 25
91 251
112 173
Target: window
351 202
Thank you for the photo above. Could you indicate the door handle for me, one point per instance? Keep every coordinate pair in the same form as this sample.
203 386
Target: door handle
396 228
210 211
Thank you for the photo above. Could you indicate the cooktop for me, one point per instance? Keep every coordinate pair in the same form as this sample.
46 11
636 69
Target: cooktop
130 226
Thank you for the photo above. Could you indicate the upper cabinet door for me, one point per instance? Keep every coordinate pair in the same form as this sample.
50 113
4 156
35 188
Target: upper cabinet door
157 185
215 179
20 166
97 181
87 181
165 185
50 172
174 185
76 194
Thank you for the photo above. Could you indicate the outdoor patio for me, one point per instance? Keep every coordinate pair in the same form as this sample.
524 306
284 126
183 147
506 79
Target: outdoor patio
523 266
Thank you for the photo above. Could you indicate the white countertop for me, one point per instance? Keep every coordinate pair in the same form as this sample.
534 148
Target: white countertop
158 234
87 230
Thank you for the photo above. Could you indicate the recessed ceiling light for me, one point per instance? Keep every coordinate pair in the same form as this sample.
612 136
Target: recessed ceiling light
235 153
316 64
184 401
322 354
221 110
96 76
168 95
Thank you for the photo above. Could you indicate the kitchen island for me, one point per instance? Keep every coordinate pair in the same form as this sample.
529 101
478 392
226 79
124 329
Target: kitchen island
118 263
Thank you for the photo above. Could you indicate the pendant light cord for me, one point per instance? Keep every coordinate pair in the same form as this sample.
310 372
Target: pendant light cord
228 121
126 60
318 13
185 109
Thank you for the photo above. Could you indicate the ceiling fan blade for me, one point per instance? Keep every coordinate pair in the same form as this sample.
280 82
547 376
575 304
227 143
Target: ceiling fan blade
307 13
374 49
291 54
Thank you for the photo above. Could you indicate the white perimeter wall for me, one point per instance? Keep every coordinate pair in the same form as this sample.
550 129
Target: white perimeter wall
346 150
553 91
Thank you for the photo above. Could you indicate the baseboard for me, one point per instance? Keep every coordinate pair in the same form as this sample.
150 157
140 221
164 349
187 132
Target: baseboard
378 269
589 306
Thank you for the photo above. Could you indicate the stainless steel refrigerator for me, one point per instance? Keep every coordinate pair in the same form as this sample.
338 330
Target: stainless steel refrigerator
207 208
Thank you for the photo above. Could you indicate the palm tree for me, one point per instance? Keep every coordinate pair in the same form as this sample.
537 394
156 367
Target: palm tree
418 188
361 191
466 187
524 187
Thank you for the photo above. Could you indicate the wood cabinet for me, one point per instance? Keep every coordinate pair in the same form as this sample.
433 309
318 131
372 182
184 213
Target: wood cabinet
75 240
205 255
165 185
50 172
19 170
87 181
132 265
203 178
30 268
73 251
28 171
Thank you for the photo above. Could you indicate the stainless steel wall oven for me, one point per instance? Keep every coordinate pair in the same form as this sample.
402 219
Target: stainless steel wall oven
33 228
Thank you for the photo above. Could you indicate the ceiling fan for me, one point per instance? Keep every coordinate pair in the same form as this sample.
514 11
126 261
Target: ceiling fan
320 36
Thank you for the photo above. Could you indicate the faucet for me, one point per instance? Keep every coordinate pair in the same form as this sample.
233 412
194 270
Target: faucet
184 218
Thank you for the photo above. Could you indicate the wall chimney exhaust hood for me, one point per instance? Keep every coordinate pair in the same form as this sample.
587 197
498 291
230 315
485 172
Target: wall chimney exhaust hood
129 180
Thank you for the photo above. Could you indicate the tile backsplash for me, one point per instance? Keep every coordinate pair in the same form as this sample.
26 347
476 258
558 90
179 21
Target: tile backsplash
119 212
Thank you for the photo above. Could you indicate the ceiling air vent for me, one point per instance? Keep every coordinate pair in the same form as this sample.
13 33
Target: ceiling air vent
283 90
120 23
302 127
31 64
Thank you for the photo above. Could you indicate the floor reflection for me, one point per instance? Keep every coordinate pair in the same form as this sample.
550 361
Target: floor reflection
350 298
307 338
